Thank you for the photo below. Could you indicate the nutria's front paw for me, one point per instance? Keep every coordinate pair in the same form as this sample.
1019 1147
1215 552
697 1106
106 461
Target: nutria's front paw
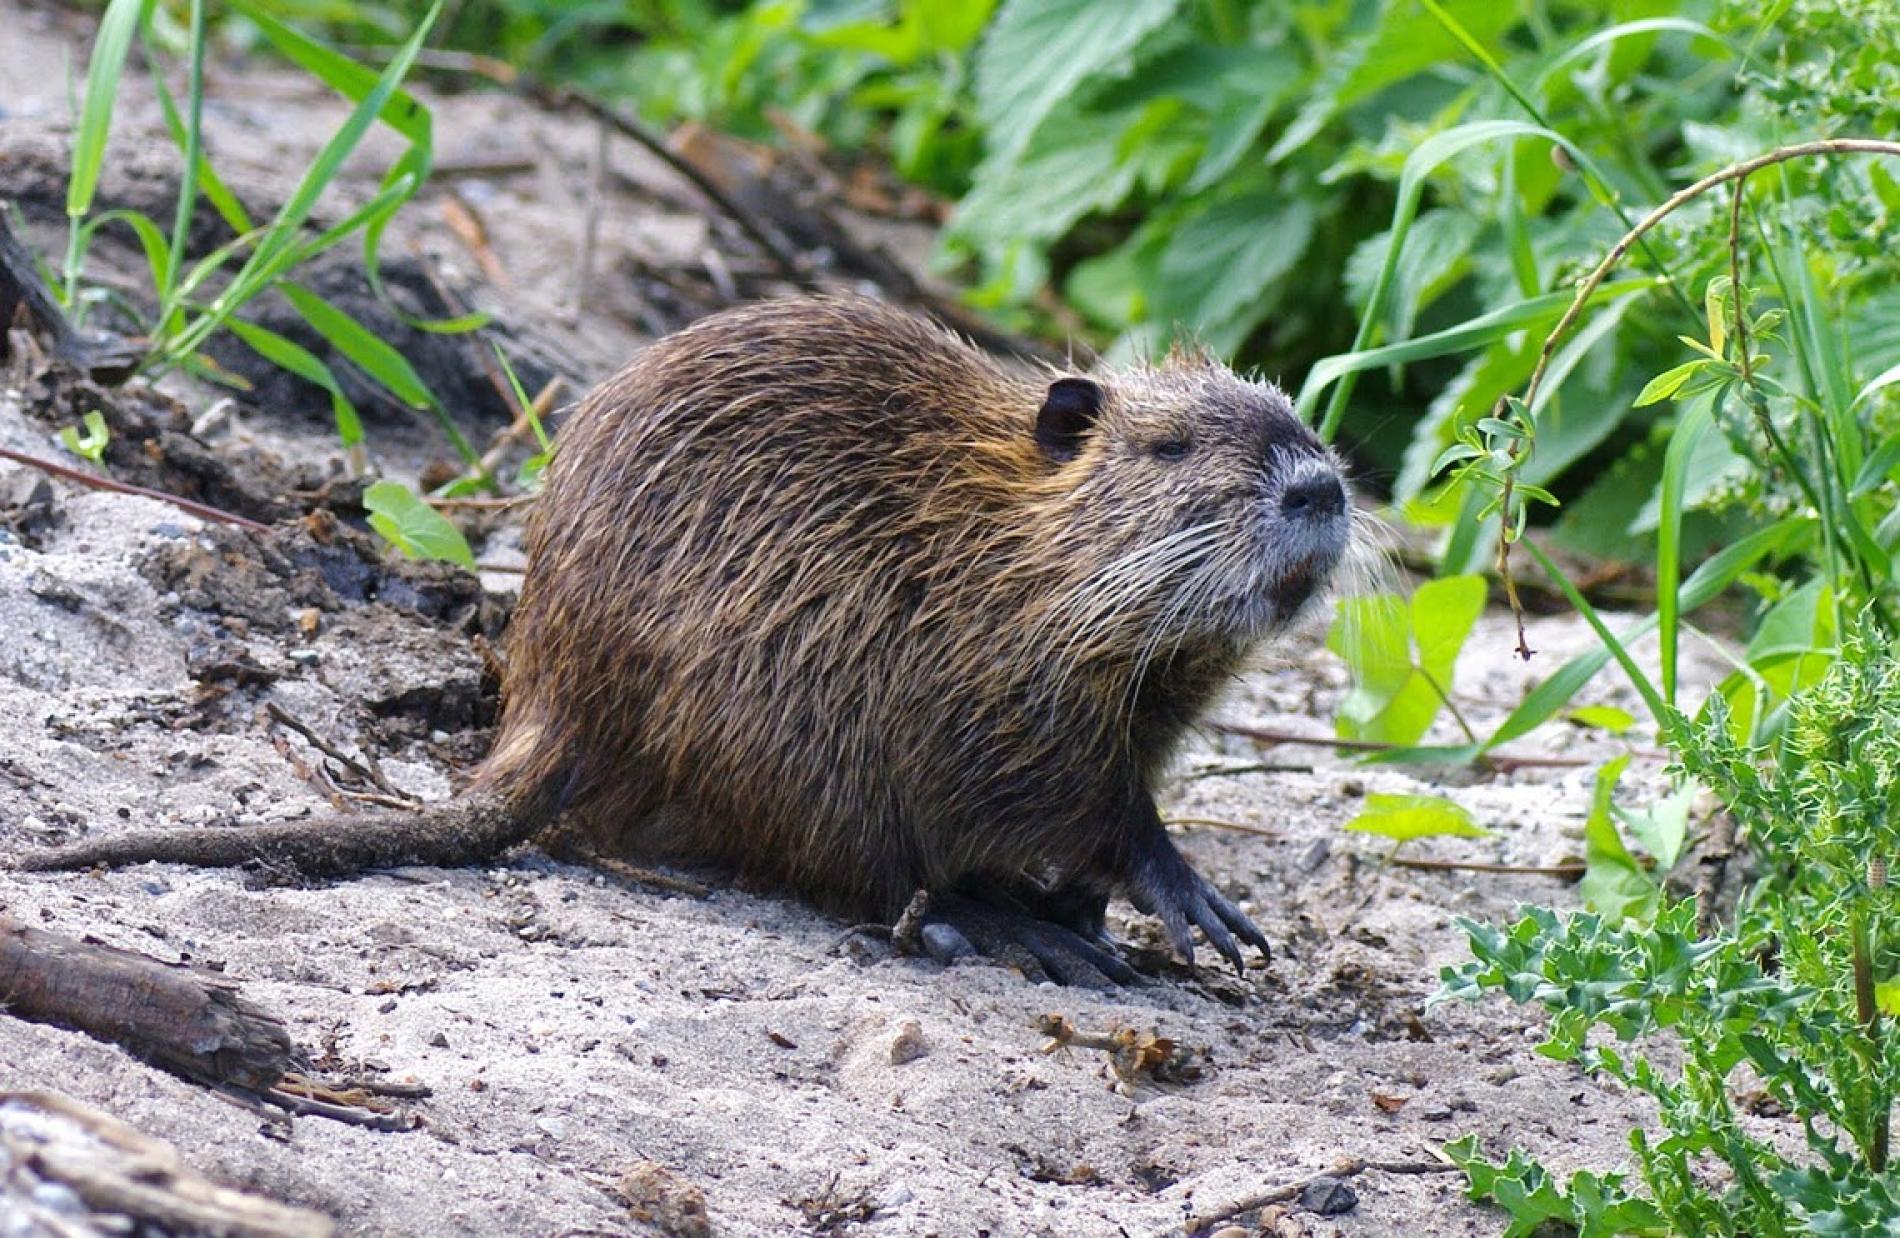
1161 884
956 926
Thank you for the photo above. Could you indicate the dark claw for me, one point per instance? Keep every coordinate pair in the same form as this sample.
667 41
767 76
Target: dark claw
1162 884
958 926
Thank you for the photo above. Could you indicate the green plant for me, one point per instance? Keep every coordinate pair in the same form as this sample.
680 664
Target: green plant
1789 1004
91 445
1402 653
413 527
194 299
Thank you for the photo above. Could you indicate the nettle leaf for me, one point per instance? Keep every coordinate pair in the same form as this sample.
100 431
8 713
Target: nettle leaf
1038 51
1603 717
413 527
1220 271
1402 656
1403 818
1614 885
1434 257
1071 169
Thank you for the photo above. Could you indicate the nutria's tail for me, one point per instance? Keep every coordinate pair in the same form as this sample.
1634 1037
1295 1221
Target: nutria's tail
467 830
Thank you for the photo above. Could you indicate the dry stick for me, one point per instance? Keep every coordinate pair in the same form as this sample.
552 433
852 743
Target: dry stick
328 749
590 220
1348 1168
204 510
562 99
1501 762
1481 866
1736 171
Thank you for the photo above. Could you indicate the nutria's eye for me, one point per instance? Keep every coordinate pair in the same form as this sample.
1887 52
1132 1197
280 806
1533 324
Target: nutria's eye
1171 449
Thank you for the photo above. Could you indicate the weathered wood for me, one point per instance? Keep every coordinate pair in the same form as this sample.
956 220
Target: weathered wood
120 1171
182 1019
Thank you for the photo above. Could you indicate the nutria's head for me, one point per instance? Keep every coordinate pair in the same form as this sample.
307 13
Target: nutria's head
1214 513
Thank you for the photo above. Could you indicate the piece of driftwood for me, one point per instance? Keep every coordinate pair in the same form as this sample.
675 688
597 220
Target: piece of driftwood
48 1139
182 1019
23 294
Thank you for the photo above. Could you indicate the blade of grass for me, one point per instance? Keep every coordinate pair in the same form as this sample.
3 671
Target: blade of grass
215 191
1658 708
1694 420
109 48
281 233
289 355
377 358
1420 164
1466 335
1592 174
194 153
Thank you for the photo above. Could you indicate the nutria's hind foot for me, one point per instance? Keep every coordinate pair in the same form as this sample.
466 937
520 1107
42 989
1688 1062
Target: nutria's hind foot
959 926
1160 882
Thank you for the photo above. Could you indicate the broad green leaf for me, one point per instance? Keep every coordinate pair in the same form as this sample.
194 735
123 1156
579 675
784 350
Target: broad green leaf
1603 717
1664 829
1614 885
1409 41
1402 656
1220 272
1443 612
1071 169
1037 52
1403 818
413 527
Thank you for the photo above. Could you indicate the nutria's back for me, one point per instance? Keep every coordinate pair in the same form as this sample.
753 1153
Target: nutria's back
820 592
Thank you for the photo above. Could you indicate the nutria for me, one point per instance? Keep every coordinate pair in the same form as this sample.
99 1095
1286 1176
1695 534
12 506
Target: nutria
822 595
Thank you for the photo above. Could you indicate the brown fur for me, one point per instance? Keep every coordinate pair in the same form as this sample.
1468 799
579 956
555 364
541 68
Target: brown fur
808 600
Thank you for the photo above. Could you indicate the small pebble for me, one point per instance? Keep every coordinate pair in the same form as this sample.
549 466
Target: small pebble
553 1128
1328 1197
908 1044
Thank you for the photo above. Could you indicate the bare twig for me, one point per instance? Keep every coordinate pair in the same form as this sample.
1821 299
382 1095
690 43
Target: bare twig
361 769
1348 1168
1216 823
97 482
1569 871
1500 762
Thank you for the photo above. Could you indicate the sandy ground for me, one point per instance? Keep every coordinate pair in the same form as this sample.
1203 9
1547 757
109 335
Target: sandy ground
573 1025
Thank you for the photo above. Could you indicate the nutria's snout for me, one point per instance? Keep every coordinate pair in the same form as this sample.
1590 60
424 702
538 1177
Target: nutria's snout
1308 525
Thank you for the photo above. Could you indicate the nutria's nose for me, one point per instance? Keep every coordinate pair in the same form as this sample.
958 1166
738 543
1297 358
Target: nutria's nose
1314 496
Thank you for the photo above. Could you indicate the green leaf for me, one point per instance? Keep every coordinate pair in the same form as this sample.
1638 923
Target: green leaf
1669 382
1614 885
1664 829
1221 270
1603 717
109 48
1484 329
1402 656
1037 52
289 355
413 527
1403 818
364 347
1072 168
93 445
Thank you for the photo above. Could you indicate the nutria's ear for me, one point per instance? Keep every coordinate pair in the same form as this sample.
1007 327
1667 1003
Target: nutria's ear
1067 413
